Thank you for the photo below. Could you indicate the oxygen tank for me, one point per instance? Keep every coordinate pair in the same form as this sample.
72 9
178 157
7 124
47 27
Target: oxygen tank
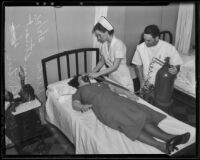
164 85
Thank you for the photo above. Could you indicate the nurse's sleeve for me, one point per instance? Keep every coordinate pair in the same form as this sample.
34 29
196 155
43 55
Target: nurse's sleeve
120 50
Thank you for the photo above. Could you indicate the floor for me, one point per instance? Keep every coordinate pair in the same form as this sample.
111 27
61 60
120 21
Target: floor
184 113
55 143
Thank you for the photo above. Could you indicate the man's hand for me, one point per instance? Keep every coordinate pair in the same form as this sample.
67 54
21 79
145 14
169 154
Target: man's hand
173 70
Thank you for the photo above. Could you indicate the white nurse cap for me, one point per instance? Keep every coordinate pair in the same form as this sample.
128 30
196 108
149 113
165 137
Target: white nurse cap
104 22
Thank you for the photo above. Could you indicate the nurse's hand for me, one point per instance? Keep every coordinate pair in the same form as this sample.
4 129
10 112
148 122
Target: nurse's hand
132 96
93 75
173 70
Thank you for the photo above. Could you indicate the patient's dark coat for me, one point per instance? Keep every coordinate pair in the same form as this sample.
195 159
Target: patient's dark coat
116 111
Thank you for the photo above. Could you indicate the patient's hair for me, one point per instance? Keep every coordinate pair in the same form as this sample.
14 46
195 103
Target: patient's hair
74 82
152 30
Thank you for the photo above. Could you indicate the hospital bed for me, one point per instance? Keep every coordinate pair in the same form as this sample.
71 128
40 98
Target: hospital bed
185 83
84 130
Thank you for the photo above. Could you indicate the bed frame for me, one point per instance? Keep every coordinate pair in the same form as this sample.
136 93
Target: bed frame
57 57
188 151
164 35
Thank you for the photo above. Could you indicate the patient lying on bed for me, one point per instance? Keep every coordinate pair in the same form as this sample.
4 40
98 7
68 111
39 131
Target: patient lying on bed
135 120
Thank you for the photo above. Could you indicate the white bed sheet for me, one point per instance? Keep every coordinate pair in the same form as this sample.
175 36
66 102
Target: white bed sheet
90 136
186 78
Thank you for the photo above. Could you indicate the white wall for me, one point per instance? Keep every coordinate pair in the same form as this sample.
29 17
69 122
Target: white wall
116 16
130 21
33 33
29 36
169 18
68 28
74 27
137 18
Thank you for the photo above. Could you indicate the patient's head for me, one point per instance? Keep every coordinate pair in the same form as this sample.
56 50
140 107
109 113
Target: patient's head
78 80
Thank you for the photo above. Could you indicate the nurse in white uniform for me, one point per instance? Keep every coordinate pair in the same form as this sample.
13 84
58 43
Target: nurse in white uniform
113 55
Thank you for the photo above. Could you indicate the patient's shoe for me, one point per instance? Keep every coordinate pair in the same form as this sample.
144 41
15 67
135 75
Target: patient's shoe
170 148
180 139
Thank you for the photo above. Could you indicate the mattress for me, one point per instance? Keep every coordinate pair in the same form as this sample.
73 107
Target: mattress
90 136
186 78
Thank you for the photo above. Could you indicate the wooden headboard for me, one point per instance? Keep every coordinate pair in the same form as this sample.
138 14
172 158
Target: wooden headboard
56 57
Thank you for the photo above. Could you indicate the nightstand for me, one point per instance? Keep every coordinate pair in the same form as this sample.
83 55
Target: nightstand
28 120
27 125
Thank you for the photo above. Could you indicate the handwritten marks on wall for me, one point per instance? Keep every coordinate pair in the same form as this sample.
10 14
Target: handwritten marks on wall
14 40
39 88
27 33
32 37
12 73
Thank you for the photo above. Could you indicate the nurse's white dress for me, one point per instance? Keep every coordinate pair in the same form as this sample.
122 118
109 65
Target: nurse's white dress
118 50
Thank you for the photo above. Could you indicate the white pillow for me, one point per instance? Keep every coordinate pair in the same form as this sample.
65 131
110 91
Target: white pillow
53 86
62 88
65 90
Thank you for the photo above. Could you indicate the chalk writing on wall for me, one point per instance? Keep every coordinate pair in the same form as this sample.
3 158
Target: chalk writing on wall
25 37
14 40
36 36
12 74
40 87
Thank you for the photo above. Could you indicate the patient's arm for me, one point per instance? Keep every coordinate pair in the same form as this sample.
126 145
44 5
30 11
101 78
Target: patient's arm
76 104
129 94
